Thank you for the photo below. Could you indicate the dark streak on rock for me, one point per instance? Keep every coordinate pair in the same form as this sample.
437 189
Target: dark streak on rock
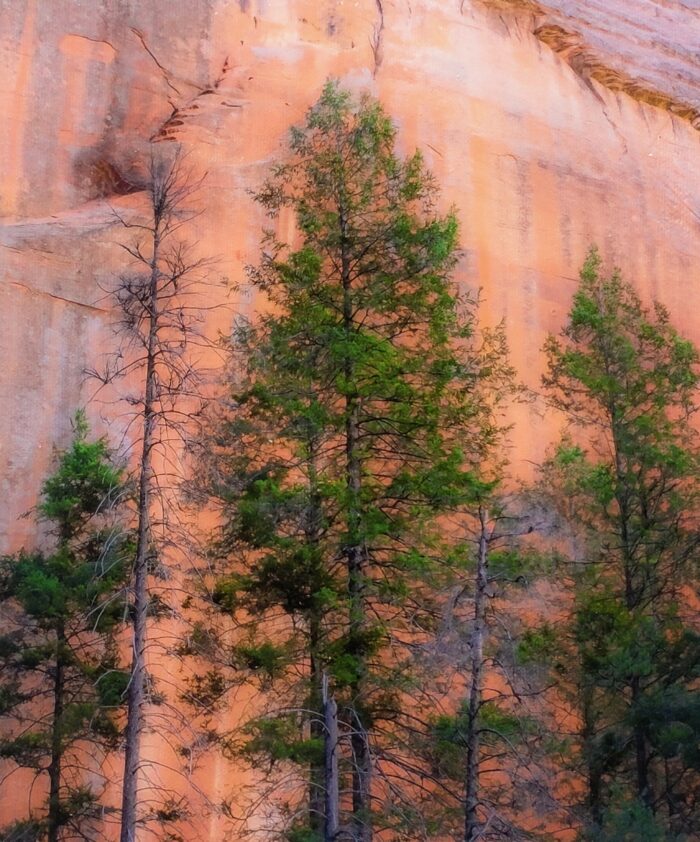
376 39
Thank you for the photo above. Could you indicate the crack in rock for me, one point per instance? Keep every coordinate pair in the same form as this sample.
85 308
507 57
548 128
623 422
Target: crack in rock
56 297
94 40
164 72
377 38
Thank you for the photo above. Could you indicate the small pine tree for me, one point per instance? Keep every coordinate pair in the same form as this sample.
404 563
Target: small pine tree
61 684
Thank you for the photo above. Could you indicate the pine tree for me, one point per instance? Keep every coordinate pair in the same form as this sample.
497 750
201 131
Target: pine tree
347 398
61 685
631 380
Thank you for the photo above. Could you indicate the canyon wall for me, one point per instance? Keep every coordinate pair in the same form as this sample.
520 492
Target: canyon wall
549 125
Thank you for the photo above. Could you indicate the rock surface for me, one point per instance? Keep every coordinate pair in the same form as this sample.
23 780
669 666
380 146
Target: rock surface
550 125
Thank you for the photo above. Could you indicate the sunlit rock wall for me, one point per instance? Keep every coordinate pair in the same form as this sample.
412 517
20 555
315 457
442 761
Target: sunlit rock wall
550 126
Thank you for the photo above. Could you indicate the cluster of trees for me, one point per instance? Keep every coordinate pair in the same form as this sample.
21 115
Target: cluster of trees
362 588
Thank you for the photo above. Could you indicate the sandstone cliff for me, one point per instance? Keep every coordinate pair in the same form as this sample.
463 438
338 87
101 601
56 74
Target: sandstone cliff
550 125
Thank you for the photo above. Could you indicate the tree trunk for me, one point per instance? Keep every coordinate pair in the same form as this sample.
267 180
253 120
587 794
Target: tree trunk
644 792
472 824
317 782
54 817
312 524
593 769
137 682
632 599
355 561
330 766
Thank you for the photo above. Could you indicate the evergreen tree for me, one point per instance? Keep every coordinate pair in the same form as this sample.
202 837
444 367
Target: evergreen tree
353 408
61 686
630 650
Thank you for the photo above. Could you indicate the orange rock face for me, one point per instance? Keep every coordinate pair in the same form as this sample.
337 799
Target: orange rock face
550 125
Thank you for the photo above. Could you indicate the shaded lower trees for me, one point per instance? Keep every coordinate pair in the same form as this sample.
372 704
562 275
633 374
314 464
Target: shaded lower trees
486 749
62 683
629 652
353 405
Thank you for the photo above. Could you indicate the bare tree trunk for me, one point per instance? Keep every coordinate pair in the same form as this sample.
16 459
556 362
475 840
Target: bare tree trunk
472 825
137 683
317 730
54 816
330 765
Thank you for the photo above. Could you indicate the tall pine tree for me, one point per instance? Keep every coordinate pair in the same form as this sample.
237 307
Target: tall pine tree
353 405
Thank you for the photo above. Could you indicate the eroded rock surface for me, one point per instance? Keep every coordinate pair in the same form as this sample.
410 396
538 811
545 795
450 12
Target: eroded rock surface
550 125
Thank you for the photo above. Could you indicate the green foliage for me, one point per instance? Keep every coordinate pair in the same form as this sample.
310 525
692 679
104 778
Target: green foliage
303 833
264 658
278 739
539 645
363 401
111 686
60 680
206 691
85 482
30 830
630 497
631 822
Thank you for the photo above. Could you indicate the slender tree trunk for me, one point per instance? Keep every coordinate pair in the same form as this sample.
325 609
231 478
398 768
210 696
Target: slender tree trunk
644 791
593 771
330 766
317 730
317 783
137 683
362 768
643 784
355 561
671 804
472 824
54 816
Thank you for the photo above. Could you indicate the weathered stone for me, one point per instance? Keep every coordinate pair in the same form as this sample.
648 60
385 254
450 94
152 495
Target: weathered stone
551 125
